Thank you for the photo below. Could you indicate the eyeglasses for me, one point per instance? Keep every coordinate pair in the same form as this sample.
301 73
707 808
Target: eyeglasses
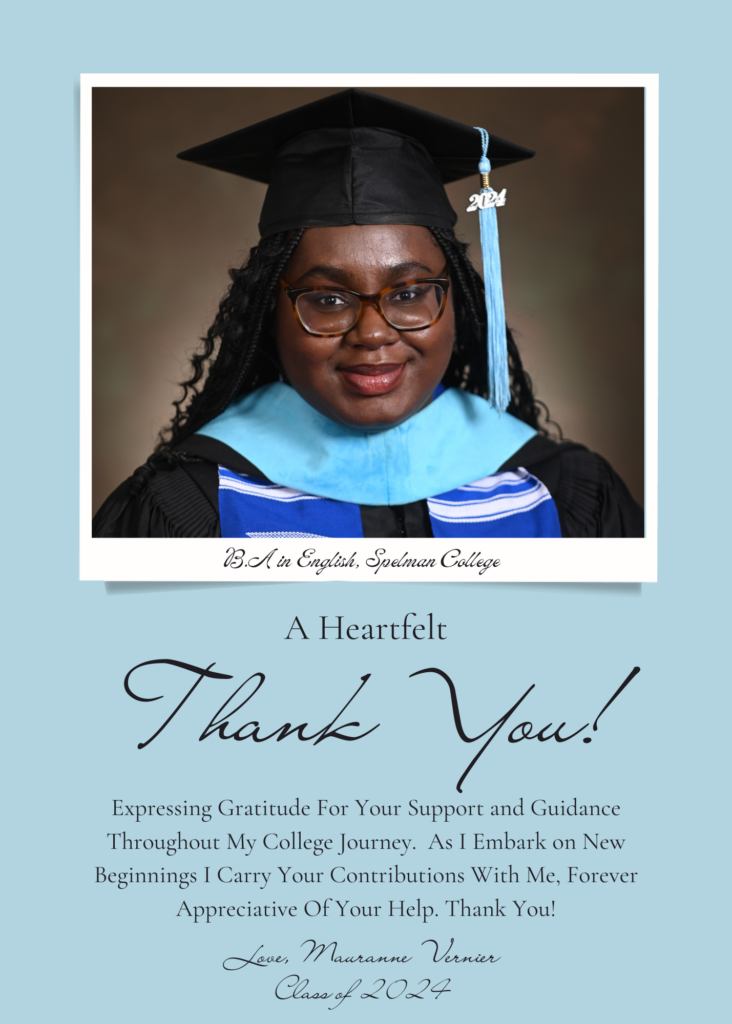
409 306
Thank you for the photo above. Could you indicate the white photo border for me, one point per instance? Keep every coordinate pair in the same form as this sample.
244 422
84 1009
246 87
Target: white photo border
601 560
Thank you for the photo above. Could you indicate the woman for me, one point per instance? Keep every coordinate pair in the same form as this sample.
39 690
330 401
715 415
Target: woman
347 395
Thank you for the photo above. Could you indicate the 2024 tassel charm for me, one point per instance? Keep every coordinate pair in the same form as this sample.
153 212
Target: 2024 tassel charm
486 201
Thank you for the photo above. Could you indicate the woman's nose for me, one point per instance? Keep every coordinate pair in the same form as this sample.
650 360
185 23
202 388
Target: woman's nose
372 330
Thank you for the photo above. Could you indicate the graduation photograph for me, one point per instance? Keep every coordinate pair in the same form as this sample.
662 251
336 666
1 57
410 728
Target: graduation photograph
363 314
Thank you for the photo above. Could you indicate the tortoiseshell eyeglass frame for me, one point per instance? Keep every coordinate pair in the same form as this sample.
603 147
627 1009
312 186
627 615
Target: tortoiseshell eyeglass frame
294 293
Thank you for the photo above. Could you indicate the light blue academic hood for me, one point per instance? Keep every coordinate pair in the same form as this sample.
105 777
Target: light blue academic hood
457 439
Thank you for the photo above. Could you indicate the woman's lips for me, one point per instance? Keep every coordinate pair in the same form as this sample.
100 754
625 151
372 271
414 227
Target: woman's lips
373 380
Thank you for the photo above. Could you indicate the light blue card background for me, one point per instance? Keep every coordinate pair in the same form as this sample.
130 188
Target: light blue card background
84 952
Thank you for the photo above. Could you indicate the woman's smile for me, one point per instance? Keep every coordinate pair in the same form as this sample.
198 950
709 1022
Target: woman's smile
373 379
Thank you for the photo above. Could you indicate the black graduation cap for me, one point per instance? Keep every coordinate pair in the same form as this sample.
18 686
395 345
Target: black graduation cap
354 158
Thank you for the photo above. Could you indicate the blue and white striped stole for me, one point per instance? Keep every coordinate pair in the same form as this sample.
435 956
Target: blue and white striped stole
512 504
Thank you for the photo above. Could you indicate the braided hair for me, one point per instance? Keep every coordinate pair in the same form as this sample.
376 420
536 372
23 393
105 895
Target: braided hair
237 353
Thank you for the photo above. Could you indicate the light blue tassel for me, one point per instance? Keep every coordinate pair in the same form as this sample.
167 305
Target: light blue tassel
499 393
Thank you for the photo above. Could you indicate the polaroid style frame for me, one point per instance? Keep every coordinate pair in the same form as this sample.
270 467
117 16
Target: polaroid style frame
596 560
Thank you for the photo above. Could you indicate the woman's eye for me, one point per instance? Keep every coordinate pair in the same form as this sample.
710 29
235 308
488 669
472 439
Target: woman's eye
330 300
406 295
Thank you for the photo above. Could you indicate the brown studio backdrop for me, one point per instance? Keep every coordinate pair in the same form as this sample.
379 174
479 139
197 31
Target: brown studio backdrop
165 232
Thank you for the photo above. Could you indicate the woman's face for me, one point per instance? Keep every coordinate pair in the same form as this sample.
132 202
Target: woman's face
374 376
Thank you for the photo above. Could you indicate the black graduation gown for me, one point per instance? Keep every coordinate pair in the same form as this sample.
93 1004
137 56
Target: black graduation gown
176 495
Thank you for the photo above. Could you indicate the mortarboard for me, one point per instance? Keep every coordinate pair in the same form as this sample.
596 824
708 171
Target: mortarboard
359 158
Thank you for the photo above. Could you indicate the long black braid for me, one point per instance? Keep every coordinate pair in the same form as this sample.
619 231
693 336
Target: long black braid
240 330
242 338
